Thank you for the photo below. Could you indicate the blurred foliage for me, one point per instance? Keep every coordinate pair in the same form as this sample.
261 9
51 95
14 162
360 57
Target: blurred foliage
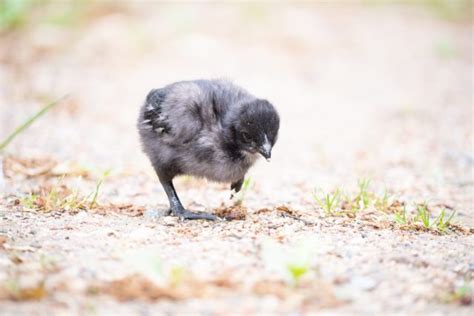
455 10
15 14
451 9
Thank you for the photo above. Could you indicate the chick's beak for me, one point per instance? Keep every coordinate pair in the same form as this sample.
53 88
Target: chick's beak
266 151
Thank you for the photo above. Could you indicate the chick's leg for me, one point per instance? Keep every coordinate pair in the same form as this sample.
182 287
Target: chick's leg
177 208
235 187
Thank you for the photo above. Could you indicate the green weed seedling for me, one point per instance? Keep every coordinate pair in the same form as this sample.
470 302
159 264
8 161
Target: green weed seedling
401 217
29 201
363 196
291 262
329 202
442 224
382 204
423 215
95 194
297 271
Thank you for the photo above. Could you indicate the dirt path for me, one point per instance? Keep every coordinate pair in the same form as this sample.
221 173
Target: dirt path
381 93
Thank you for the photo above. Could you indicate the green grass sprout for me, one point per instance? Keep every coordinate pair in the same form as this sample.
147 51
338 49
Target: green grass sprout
95 194
423 215
382 203
442 224
363 196
401 216
297 271
329 202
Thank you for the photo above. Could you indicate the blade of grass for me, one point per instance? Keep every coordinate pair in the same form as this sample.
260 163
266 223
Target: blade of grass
401 216
424 215
97 188
441 224
28 122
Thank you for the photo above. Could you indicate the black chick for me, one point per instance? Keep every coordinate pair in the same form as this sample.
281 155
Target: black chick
206 128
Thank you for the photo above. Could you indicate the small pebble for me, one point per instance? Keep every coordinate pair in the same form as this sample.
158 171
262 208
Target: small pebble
170 221
154 213
363 283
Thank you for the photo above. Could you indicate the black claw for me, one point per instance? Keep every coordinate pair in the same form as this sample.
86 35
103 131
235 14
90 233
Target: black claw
191 215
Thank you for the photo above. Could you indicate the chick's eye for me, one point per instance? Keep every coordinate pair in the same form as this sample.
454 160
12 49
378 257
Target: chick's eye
246 137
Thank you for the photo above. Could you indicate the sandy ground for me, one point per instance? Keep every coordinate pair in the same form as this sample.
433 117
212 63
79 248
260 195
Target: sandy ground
381 92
